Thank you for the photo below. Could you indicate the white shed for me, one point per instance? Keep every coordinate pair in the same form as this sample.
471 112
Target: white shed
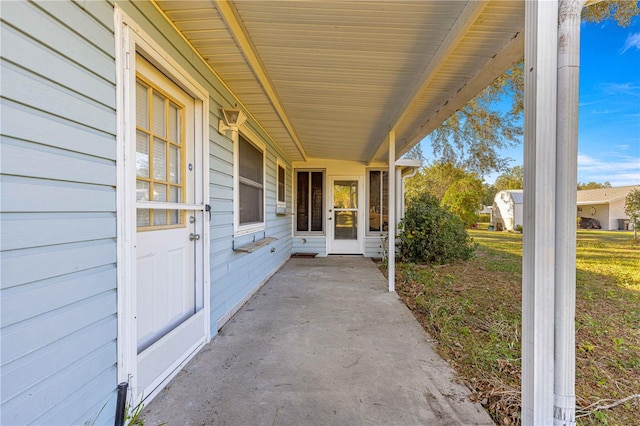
507 210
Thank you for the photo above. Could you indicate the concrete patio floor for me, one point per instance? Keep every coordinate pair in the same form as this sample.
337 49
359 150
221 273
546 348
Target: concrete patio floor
322 343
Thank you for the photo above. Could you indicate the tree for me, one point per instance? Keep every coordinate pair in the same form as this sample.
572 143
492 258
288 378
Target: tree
620 11
632 208
415 153
593 185
489 195
513 178
434 179
474 135
463 199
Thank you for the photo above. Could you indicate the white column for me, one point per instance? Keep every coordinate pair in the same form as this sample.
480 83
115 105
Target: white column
566 181
399 195
538 273
392 211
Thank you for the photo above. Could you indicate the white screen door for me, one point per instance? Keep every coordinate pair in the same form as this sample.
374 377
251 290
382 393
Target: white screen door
169 288
345 224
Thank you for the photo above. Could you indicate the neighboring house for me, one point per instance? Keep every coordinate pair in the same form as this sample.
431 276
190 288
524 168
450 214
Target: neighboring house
140 209
606 205
507 211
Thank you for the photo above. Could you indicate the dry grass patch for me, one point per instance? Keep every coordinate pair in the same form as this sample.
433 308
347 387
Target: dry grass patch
473 309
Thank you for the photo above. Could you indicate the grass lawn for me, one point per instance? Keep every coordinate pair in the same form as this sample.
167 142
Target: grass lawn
473 309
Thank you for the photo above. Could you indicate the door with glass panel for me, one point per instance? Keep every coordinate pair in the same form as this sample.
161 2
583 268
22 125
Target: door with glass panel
169 288
345 223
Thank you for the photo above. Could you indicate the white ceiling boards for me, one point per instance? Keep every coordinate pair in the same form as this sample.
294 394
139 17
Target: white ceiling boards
330 79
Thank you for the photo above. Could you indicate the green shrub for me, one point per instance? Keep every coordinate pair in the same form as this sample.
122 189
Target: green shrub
432 234
519 228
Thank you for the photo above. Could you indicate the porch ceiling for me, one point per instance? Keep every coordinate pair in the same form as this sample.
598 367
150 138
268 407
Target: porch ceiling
330 79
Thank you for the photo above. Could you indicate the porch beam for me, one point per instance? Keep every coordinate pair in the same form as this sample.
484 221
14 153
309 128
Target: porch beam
538 272
239 34
566 198
465 20
391 260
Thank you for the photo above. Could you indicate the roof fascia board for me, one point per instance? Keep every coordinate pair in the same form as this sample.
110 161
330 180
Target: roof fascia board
236 28
467 18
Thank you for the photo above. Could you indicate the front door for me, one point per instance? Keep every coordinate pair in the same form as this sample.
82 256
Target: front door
345 224
169 286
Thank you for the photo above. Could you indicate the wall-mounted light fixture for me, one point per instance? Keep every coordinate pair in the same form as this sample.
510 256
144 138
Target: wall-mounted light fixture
233 119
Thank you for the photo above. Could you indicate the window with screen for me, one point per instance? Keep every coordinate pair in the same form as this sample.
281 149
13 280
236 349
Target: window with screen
309 201
250 181
378 200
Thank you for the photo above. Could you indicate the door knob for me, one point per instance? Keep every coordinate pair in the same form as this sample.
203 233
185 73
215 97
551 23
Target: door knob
194 237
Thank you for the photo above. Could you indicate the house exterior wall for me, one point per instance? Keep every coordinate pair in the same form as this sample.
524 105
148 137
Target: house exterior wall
616 211
305 242
58 283
58 213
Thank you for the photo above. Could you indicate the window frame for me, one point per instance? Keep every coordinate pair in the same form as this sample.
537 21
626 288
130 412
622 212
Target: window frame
281 165
141 78
368 205
324 201
243 229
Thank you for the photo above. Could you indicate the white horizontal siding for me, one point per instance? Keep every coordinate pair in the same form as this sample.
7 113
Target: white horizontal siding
58 276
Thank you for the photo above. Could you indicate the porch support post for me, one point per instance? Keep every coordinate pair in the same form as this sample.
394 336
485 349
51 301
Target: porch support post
392 212
538 272
566 182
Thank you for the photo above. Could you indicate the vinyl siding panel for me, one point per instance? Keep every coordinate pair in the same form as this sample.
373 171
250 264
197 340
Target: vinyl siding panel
45 95
78 48
373 246
25 230
39 366
310 244
58 220
47 129
40 161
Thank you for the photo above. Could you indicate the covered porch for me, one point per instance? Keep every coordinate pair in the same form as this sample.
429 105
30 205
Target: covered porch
344 89
321 343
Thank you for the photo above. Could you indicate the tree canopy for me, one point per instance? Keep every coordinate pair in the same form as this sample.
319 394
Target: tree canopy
512 178
463 199
593 185
434 179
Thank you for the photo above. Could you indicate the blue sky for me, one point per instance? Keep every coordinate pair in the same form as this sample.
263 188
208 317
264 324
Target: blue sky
609 115
609 120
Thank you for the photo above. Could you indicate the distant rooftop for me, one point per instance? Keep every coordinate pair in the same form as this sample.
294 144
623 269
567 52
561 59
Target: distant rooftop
516 195
604 195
